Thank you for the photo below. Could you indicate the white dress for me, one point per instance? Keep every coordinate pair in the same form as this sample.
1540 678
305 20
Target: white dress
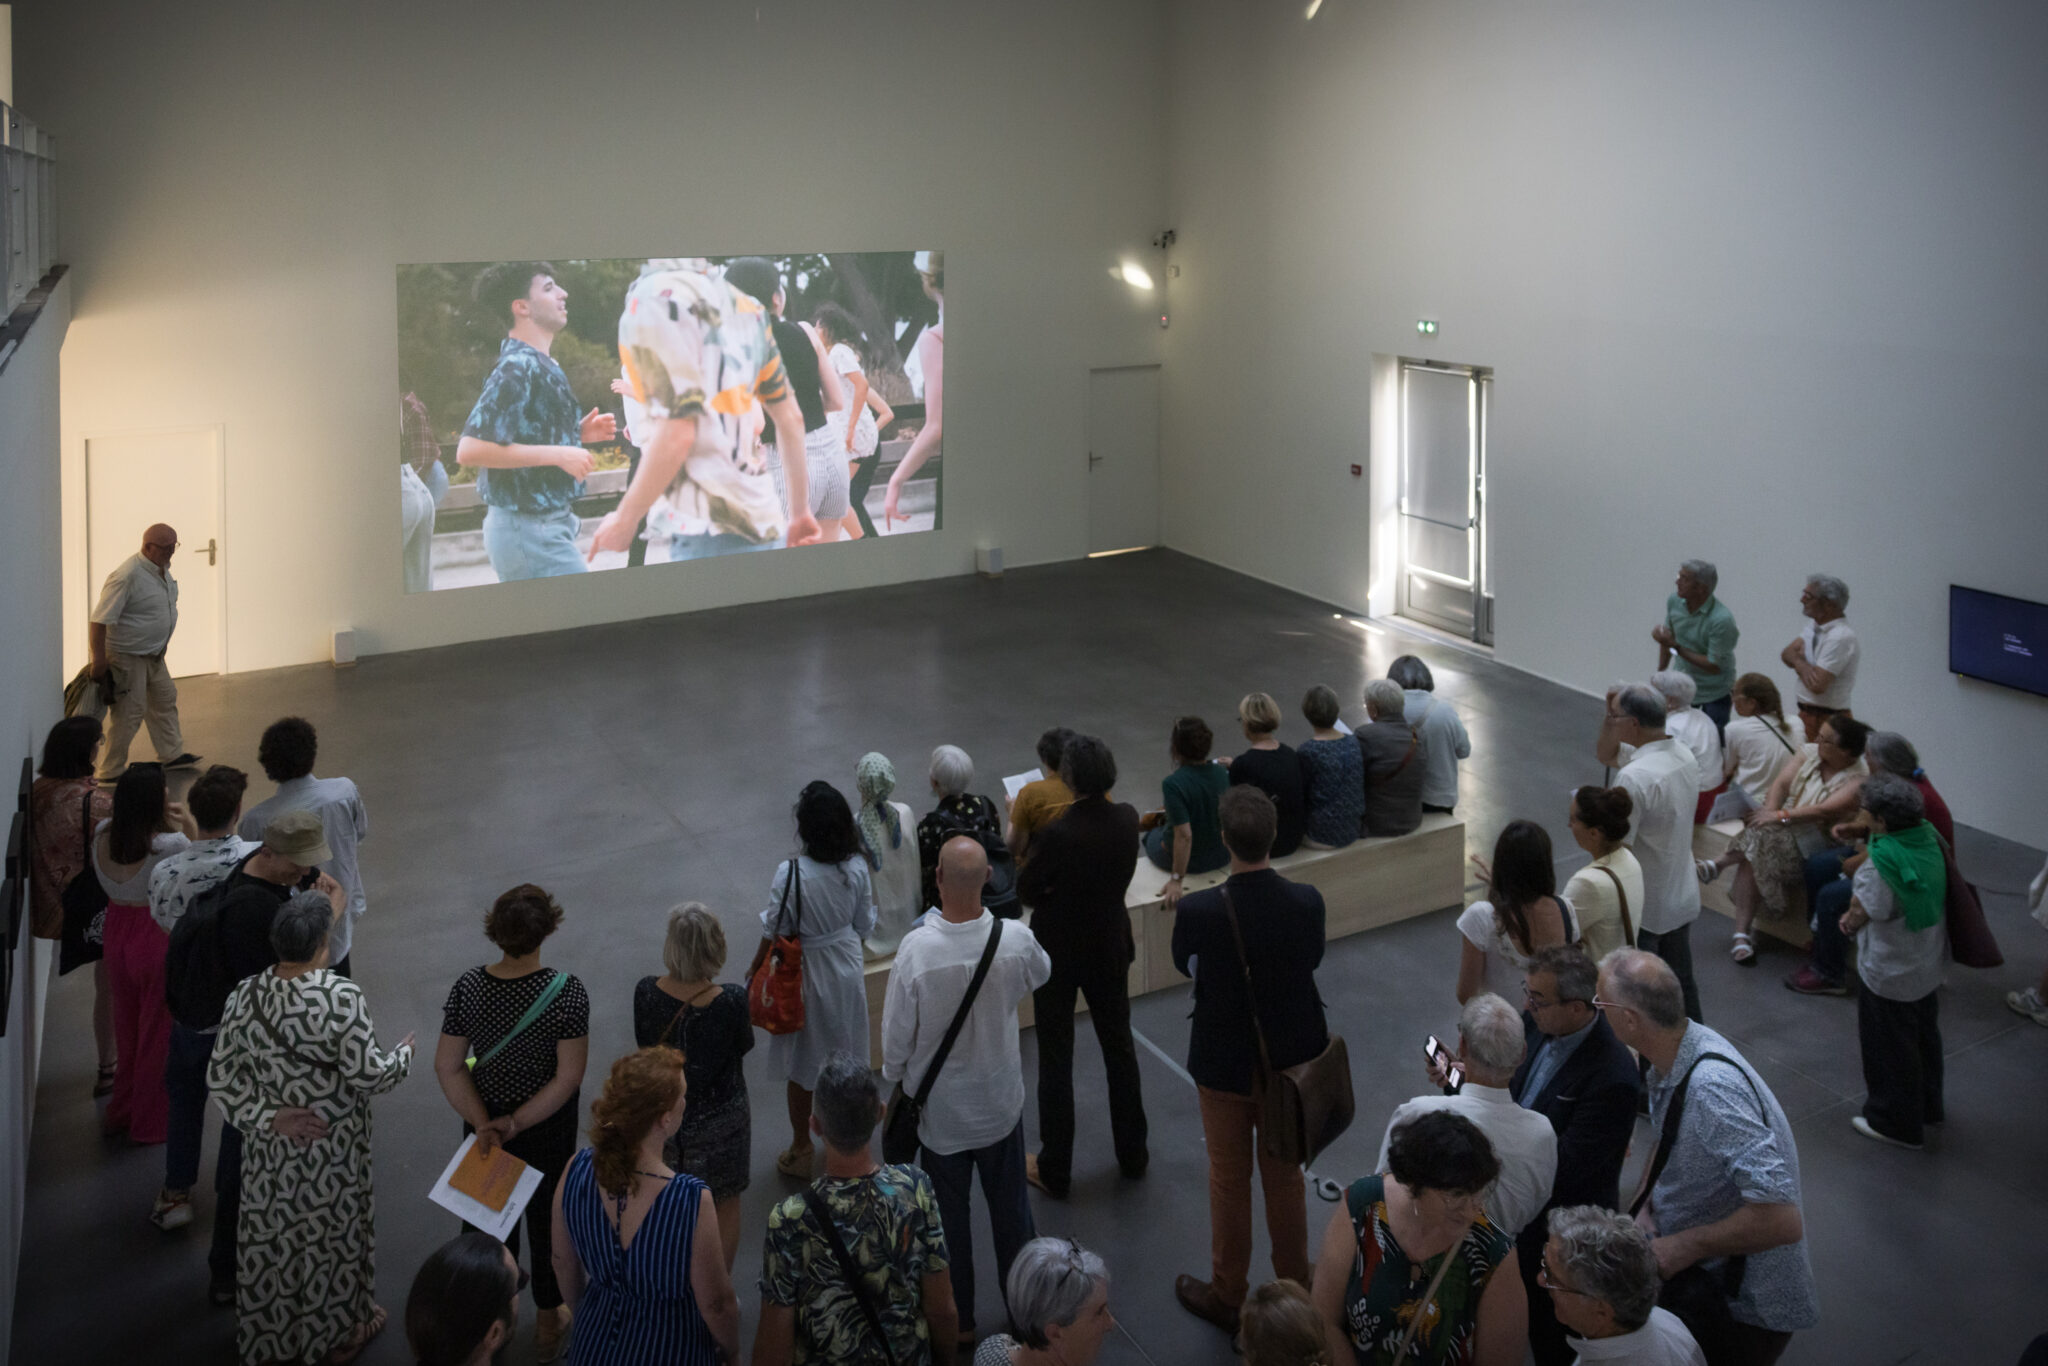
1506 965
896 885
838 912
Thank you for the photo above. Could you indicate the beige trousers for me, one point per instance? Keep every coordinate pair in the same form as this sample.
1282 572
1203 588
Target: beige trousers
147 696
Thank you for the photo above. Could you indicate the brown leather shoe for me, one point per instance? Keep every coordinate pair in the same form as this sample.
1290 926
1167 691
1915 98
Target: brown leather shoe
1199 1298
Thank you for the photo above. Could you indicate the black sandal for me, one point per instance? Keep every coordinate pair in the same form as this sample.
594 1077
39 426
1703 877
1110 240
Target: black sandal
103 1085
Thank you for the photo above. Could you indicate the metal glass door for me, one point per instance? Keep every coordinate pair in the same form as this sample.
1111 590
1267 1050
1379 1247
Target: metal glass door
1443 472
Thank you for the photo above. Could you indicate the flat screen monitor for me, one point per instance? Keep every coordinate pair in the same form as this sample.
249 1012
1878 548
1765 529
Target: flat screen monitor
1998 639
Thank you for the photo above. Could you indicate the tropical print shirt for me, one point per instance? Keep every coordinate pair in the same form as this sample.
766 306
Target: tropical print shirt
526 402
1385 1289
890 1225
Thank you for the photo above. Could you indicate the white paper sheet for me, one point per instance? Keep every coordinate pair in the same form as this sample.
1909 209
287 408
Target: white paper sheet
497 1223
1014 784
1731 805
1340 727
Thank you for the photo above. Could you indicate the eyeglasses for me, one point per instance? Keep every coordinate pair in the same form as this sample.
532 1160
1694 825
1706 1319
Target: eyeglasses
1545 1279
1599 1004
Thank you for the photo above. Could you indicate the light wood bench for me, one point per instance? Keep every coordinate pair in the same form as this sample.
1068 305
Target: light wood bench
1712 841
1372 882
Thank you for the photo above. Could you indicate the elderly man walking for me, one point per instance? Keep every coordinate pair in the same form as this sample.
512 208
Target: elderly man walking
949 1035
128 632
1721 1195
1698 639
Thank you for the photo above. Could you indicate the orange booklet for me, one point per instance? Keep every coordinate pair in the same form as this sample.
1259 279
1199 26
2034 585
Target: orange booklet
487 1178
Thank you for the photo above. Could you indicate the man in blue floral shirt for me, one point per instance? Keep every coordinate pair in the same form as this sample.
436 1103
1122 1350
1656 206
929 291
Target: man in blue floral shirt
524 437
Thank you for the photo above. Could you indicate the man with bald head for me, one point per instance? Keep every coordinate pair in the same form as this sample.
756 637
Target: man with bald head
961 974
128 632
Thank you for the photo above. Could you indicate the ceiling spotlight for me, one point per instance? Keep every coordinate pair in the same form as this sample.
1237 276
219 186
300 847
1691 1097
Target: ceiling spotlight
1313 6
1135 275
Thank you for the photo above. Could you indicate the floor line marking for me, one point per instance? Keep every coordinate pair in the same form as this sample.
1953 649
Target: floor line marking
1161 1054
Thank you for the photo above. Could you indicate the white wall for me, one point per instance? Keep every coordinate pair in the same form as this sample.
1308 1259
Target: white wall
31 698
1761 283
241 178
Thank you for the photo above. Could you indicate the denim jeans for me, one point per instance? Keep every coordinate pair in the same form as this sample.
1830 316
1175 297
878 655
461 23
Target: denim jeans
1001 1168
185 1079
530 545
1717 711
710 545
1827 896
1675 948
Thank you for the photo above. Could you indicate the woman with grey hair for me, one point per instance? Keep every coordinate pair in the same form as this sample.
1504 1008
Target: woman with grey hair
294 1067
957 812
1395 766
1603 1282
1692 728
1059 1303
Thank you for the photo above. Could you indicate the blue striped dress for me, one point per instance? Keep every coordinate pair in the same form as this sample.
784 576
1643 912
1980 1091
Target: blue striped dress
638 1309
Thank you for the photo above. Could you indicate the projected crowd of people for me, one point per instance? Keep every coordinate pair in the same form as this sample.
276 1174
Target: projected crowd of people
1495 1221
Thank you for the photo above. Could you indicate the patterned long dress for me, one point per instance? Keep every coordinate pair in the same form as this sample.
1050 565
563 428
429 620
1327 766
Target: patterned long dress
306 1265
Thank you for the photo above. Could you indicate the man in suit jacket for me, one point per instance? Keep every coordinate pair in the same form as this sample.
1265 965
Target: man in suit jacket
1080 869
1584 1080
1282 927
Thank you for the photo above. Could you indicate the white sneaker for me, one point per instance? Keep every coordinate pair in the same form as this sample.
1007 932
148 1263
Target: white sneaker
173 1210
2029 1004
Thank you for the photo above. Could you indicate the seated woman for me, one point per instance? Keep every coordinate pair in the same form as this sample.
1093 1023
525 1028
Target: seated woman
1185 835
674 1306
1606 896
1042 800
1795 821
689 1009
1695 730
957 812
1333 770
893 867
1379 1301
1759 739
1273 768
1524 914
1395 764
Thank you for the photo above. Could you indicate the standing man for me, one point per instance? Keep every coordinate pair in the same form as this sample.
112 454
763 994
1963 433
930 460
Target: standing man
697 355
973 1120
1281 924
286 753
1075 886
1825 653
1723 1195
523 438
1602 1277
128 632
1698 639
1583 1080
1661 777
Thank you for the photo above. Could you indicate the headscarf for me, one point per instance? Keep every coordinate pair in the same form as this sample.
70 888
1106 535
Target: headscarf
1910 862
880 827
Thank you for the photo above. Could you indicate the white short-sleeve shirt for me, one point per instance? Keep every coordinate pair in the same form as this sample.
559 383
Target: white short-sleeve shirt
1662 779
1759 750
1833 647
139 607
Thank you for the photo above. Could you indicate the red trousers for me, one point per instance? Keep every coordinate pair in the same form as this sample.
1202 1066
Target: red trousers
1229 1126
142 1023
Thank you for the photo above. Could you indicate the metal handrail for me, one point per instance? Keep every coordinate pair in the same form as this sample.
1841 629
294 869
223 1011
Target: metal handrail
28 218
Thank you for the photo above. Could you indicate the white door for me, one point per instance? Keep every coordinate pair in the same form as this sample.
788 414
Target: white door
1443 468
136 479
1123 458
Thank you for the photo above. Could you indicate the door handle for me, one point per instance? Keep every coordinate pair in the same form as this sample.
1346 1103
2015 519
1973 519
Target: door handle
1094 459
212 551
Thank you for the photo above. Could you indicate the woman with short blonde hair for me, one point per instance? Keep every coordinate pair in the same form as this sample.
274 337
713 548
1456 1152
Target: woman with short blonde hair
1273 768
687 1008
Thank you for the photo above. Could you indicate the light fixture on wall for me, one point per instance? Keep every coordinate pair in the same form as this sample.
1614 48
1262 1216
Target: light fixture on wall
1132 274
1313 6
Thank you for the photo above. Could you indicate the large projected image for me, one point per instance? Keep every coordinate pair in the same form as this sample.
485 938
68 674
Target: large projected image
563 417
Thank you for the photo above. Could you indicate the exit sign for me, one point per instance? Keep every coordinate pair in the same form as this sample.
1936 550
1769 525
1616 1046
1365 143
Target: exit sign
1426 326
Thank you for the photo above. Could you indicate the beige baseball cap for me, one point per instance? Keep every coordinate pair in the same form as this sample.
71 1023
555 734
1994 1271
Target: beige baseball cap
298 836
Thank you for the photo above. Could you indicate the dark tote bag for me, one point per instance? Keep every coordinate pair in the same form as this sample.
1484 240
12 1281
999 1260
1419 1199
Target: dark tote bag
1302 1109
1970 941
85 907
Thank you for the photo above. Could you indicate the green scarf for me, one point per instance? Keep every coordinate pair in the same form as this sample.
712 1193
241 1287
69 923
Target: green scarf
1911 864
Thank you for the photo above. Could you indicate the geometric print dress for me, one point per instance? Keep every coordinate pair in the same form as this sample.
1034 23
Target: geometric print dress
306 1263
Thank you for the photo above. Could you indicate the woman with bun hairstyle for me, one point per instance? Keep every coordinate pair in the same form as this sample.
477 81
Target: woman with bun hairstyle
1608 892
645 1288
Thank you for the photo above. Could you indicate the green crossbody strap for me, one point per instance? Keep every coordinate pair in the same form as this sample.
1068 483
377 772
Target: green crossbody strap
546 998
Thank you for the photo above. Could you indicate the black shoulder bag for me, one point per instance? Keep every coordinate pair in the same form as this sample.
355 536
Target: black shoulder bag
1700 1297
82 939
823 1214
899 1126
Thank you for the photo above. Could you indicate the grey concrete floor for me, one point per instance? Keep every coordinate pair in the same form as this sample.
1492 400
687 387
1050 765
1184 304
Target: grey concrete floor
628 767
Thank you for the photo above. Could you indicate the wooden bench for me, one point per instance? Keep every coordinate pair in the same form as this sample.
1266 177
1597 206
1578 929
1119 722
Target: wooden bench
1712 841
1373 882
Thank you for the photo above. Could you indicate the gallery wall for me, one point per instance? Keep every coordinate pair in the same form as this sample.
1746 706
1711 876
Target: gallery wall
241 178
30 700
1759 283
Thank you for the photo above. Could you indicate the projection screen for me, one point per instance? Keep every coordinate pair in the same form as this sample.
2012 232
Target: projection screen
577 416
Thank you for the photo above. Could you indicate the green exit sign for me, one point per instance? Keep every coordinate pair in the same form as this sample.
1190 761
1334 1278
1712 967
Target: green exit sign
1426 326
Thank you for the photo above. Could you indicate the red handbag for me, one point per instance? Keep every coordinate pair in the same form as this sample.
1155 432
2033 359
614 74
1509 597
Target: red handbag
1970 941
775 993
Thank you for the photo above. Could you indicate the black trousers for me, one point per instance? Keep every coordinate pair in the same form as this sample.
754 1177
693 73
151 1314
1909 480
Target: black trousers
1675 948
547 1147
1901 1063
1106 988
857 491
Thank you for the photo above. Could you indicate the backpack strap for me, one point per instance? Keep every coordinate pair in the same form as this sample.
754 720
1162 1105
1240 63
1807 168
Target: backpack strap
823 1214
931 1073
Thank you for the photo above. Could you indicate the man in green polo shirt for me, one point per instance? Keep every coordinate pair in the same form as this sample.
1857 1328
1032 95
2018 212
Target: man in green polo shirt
1698 638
